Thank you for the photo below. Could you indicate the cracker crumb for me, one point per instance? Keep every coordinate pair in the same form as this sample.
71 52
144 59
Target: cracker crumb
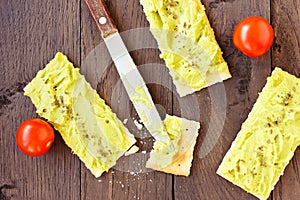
131 173
138 125
125 121
132 150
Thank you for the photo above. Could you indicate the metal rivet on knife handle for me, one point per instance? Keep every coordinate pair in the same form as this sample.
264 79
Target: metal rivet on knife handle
102 20
100 14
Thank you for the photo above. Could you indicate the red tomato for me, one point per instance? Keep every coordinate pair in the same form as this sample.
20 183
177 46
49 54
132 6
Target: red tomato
253 36
35 137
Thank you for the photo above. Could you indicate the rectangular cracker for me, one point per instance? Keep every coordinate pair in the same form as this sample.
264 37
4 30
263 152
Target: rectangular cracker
268 138
187 43
87 125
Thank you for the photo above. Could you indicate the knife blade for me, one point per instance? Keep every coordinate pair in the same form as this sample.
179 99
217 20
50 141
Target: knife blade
132 80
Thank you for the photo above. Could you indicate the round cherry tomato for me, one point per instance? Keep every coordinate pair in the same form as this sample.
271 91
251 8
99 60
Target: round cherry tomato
35 137
253 36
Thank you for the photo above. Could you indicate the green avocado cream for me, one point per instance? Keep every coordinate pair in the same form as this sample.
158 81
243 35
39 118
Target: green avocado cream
88 126
186 40
268 138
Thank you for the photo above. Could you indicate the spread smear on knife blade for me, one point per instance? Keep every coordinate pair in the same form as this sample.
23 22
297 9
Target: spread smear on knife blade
187 43
88 126
135 87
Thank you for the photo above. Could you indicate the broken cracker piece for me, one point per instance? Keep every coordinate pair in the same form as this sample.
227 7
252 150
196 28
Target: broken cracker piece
175 158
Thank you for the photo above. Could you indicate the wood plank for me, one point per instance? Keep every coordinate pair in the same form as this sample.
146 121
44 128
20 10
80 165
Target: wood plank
31 33
128 179
90 38
249 76
286 54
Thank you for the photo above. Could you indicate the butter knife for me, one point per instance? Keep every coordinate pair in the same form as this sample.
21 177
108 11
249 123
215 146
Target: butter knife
132 80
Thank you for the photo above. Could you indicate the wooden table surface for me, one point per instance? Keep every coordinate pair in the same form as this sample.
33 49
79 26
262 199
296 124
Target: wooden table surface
32 31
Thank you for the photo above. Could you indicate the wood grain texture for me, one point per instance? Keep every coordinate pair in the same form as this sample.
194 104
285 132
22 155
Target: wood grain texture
32 31
90 38
285 18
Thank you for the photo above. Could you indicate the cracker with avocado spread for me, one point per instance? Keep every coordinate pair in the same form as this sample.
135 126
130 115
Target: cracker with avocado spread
268 138
88 126
187 43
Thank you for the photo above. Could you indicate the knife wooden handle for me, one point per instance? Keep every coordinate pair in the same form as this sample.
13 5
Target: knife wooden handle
102 17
